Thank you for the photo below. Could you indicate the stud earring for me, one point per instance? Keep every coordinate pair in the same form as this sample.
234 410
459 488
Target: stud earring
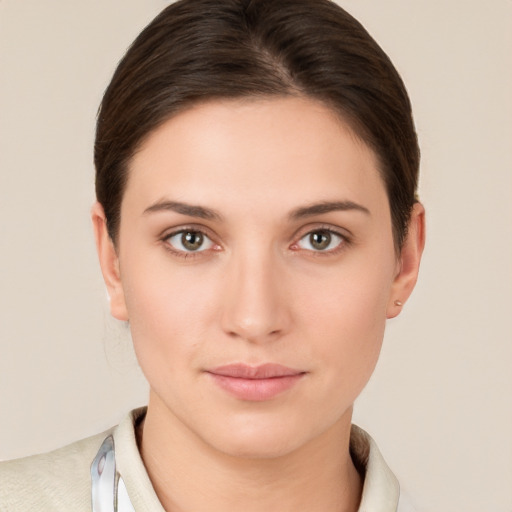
399 303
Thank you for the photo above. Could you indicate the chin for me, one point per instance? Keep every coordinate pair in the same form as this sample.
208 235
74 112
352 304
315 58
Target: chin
252 438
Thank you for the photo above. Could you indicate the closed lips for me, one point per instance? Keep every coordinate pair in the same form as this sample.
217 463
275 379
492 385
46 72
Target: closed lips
255 383
264 371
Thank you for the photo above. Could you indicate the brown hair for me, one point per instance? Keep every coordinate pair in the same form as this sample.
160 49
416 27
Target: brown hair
198 50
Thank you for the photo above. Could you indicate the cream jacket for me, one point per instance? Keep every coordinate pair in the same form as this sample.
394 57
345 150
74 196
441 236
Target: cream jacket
60 481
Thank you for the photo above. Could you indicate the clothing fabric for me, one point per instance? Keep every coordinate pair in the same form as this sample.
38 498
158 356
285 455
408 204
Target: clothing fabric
60 481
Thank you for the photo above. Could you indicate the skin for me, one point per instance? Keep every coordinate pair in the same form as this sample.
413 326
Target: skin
259 292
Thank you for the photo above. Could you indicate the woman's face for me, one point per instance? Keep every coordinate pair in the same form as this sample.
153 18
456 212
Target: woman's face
256 267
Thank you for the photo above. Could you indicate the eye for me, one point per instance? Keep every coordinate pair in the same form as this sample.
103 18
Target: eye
189 240
321 240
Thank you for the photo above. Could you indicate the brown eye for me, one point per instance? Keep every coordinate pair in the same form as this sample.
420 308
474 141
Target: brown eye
189 241
192 240
321 240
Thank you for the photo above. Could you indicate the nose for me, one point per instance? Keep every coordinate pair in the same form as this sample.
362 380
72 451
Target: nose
255 305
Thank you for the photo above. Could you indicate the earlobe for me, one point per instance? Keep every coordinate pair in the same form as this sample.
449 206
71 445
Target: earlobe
109 263
409 264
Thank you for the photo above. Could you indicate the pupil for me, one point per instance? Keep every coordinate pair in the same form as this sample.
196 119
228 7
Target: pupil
320 239
192 241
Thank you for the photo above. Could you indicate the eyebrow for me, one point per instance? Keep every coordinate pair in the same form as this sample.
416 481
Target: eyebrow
185 209
297 214
327 207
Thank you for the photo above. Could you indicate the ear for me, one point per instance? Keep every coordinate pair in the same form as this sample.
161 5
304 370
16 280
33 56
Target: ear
109 262
409 263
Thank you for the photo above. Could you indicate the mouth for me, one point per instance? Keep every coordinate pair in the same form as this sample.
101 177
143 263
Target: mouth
255 383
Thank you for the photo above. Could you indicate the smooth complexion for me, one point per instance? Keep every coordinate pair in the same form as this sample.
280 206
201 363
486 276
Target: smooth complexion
255 245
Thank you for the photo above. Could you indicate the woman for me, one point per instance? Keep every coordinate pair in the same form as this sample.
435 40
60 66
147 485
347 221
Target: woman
256 225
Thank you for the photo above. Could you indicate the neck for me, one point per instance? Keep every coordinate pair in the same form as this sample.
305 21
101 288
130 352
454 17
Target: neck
190 475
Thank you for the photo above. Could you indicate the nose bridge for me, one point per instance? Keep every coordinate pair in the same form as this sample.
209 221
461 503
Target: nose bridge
254 309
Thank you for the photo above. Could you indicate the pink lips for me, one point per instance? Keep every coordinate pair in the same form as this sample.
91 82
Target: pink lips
255 383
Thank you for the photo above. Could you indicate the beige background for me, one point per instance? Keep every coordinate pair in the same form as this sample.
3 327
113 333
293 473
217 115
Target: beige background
439 404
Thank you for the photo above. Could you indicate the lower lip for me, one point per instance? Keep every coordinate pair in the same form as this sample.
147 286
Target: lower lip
256 390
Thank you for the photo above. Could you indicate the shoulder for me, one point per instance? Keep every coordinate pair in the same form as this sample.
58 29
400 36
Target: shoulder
56 481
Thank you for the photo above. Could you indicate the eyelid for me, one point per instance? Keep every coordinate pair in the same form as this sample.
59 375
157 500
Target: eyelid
197 228
322 226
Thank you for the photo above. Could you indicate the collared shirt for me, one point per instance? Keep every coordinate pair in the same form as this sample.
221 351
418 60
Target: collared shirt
61 480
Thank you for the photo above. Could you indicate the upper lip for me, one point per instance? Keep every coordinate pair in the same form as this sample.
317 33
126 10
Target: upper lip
262 371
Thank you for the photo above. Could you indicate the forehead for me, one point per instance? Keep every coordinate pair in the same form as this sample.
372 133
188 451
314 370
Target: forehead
254 152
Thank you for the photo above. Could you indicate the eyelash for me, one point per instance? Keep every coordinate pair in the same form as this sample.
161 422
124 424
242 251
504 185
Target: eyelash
345 241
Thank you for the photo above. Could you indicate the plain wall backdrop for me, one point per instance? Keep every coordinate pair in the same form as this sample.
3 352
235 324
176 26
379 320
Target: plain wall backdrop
440 402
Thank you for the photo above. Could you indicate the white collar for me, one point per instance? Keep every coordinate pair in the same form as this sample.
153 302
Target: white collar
119 455
380 489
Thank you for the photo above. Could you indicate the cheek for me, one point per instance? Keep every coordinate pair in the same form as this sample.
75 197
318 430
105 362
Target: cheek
169 311
351 336
346 320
